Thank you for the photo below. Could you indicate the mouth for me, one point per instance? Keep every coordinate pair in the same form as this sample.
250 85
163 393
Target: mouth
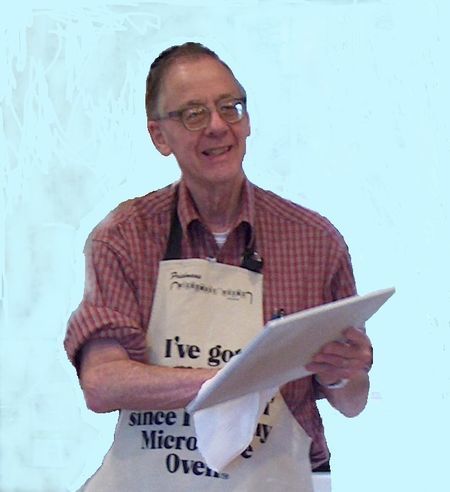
215 151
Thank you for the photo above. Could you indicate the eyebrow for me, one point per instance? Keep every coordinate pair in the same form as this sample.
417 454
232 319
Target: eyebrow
193 102
196 102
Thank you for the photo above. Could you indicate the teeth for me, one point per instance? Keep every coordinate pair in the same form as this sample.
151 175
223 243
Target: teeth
218 151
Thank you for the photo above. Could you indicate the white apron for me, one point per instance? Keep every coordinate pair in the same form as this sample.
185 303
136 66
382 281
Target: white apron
203 313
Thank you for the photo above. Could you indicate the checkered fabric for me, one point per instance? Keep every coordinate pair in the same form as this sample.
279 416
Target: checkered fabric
306 263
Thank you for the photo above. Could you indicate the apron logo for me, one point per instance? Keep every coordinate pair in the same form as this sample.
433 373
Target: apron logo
230 294
185 275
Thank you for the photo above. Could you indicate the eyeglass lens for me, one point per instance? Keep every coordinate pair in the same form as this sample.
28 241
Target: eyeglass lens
197 117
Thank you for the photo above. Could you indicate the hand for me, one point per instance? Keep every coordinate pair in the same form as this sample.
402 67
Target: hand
343 359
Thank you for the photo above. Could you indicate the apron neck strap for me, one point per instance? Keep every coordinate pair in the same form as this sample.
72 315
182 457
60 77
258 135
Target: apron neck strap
251 259
173 247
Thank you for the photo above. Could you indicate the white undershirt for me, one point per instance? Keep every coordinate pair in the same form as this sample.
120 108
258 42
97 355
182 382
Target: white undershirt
220 237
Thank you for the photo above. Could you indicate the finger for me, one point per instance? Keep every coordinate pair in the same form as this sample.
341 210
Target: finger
356 336
339 362
353 359
359 352
330 372
341 349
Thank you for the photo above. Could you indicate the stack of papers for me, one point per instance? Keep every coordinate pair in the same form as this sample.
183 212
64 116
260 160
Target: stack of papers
282 349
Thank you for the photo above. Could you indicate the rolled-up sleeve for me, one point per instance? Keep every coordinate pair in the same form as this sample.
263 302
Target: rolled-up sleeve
109 308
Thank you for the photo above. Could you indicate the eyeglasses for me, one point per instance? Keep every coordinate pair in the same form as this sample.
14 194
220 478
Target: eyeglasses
198 116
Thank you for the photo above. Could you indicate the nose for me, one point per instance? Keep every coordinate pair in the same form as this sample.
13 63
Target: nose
216 125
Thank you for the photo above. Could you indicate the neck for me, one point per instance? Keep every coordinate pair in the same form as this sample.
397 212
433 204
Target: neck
218 204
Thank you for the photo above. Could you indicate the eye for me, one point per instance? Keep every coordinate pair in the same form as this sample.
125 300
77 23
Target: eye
195 113
231 108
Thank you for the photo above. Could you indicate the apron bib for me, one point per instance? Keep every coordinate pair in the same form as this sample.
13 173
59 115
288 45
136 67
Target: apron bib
203 314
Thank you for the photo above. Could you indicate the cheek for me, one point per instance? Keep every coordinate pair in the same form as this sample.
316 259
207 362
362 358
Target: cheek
187 150
183 144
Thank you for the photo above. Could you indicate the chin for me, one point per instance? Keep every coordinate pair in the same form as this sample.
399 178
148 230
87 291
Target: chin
225 176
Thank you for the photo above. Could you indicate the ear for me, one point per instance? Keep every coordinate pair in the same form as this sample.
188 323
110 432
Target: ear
249 127
158 138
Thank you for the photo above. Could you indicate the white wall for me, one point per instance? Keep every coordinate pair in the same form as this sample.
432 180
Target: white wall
349 103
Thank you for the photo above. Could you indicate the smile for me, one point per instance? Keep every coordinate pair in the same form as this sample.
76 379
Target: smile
217 151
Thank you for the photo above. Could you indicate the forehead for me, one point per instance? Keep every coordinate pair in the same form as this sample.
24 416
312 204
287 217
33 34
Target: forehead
196 79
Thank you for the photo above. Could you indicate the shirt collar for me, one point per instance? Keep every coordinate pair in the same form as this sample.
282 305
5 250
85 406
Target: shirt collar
188 213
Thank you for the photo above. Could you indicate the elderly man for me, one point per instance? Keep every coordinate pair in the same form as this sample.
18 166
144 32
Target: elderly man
178 272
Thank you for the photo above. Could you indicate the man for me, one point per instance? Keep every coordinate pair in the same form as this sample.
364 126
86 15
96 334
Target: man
178 273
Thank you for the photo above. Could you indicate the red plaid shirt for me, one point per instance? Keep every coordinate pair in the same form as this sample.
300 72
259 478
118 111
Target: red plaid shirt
306 263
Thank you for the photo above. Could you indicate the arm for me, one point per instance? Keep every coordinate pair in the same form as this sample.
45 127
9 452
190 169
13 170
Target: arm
111 380
350 359
106 335
105 339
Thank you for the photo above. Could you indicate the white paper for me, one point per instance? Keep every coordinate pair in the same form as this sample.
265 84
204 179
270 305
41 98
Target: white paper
285 346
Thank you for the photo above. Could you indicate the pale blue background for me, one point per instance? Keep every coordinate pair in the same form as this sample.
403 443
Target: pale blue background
349 103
